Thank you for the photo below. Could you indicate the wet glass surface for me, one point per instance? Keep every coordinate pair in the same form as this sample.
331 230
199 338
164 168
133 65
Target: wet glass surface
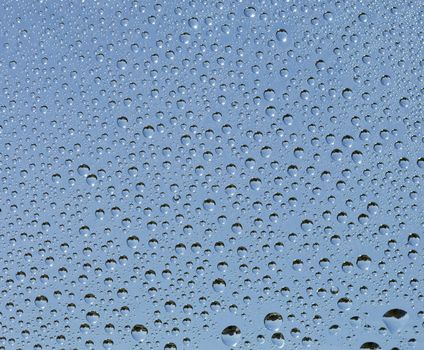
211 175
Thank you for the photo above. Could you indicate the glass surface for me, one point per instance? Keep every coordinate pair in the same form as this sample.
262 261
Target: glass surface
211 175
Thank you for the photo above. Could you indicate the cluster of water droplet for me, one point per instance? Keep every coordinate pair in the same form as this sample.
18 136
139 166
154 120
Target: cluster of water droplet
211 174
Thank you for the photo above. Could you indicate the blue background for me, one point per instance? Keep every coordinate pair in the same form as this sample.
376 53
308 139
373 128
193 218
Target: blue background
259 124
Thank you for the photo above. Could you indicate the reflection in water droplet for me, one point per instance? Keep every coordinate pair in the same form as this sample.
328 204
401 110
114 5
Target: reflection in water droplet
273 321
395 319
370 346
231 335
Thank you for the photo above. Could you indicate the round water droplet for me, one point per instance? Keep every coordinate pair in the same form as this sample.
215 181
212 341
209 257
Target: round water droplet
273 321
139 332
231 335
278 340
41 301
281 35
